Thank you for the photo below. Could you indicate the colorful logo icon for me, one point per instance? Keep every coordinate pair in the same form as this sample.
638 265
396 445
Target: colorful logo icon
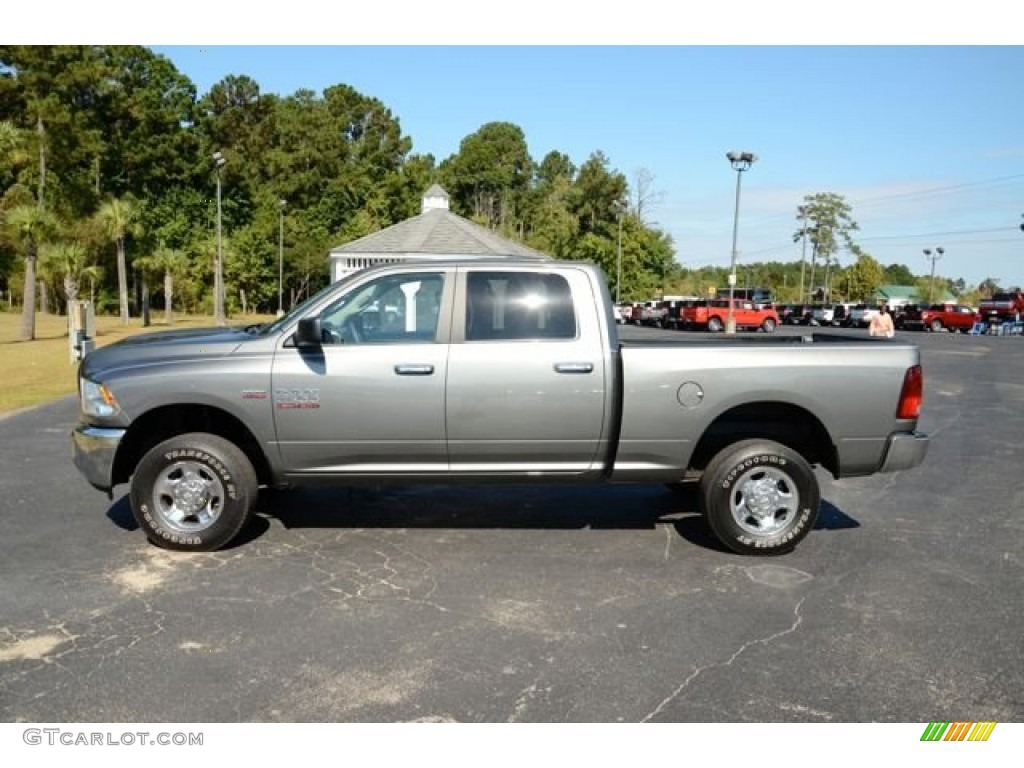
958 731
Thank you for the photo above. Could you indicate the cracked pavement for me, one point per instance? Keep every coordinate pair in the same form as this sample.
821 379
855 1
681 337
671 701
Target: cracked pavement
532 603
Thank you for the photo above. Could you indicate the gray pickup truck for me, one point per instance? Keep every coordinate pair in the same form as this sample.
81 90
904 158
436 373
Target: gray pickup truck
487 371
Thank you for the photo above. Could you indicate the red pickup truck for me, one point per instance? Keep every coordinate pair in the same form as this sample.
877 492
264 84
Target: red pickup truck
1005 306
937 317
713 313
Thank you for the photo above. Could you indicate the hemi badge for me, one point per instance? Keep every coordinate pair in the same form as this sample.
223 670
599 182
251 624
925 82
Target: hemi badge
254 394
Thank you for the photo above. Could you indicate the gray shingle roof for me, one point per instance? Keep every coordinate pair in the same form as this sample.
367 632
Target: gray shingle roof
438 232
436 190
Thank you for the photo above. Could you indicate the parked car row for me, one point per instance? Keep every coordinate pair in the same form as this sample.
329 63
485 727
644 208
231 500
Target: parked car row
701 314
843 314
937 317
712 314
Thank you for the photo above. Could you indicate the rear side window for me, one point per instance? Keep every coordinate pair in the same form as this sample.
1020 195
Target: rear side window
518 305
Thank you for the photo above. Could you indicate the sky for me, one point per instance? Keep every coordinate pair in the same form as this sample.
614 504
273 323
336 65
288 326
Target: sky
925 141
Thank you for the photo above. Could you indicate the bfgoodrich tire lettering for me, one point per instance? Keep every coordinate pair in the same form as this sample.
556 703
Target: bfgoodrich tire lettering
759 497
193 492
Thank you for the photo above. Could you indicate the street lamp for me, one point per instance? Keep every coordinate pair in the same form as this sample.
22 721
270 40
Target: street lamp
803 248
218 270
933 257
280 259
620 208
741 161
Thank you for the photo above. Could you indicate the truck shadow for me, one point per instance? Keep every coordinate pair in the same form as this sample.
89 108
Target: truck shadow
599 507
607 507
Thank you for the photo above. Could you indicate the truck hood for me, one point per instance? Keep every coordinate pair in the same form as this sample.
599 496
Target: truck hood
163 347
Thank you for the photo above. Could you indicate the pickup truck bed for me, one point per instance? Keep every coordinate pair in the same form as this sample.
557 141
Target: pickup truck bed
475 371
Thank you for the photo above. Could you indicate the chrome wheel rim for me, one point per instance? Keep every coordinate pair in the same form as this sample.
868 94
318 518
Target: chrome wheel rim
188 496
765 502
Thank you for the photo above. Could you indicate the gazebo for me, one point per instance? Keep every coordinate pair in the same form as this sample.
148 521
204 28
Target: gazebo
436 233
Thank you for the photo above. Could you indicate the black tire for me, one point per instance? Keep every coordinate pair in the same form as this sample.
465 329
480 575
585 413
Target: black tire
193 492
936 326
776 480
715 324
768 326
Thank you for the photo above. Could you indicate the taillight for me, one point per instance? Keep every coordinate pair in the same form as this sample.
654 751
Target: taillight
911 394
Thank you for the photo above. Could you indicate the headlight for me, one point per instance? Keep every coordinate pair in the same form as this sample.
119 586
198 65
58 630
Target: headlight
97 400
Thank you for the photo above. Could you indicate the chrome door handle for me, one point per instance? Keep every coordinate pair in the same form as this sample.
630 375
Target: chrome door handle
574 367
414 370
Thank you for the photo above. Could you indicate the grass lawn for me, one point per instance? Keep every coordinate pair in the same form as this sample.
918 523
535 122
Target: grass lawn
34 372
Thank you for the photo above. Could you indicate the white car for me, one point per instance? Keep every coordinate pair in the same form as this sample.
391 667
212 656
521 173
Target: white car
860 315
823 315
618 315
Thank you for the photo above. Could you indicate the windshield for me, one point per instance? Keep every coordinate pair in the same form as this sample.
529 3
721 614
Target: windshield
296 311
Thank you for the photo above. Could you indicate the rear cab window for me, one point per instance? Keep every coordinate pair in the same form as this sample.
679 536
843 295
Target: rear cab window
519 306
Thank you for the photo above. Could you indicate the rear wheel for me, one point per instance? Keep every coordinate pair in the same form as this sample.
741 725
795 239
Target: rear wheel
715 324
759 497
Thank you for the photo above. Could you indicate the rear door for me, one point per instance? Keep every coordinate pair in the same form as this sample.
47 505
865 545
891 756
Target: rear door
526 376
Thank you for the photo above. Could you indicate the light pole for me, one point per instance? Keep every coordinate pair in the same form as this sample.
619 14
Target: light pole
280 259
933 257
618 261
218 269
741 161
803 249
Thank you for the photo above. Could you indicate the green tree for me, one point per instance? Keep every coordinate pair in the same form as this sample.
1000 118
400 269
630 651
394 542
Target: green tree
490 176
68 263
32 226
54 89
827 218
988 286
554 226
864 277
144 109
598 193
249 269
172 263
899 274
120 220
13 152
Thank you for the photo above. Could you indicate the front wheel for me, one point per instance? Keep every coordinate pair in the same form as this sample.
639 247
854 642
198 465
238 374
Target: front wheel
759 497
768 326
193 492
715 324
936 326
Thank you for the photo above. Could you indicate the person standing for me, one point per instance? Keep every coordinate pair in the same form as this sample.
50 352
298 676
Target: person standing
881 324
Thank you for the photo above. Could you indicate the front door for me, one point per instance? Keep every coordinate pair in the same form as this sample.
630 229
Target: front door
370 400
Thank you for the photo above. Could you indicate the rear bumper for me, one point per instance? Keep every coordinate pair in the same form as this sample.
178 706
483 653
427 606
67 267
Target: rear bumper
94 449
905 451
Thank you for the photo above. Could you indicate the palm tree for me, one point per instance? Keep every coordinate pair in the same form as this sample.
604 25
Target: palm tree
119 219
69 263
167 263
33 226
173 263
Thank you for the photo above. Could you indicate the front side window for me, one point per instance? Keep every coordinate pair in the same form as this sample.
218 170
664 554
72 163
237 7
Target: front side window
393 309
518 305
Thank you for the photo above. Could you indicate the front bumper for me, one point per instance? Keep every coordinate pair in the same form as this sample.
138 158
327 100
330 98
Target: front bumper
905 451
94 449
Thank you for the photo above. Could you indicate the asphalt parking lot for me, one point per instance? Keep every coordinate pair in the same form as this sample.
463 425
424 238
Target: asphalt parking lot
520 603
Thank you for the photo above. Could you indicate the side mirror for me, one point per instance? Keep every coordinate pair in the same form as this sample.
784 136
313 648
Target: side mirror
308 332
